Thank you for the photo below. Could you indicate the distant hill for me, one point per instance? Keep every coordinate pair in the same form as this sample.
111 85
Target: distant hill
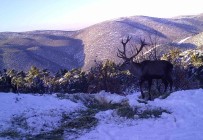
102 40
56 50
52 50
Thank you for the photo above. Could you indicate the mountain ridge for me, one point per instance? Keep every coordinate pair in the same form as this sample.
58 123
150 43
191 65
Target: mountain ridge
56 49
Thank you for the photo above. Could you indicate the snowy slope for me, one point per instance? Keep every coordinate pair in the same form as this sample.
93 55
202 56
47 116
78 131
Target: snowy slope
184 122
40 112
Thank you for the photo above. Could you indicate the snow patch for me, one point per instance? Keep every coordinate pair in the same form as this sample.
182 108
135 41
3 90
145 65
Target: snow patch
109 97
183 40
40 112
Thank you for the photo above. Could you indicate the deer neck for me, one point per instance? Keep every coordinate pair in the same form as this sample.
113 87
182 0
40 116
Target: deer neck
135 69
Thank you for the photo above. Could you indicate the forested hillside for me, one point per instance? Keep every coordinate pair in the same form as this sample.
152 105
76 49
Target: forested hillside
56 50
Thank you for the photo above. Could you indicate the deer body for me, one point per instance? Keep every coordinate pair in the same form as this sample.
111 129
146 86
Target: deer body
155 69
146 70
149 70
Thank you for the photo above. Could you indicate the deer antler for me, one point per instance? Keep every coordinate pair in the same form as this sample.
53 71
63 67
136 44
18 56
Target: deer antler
142 44
122 54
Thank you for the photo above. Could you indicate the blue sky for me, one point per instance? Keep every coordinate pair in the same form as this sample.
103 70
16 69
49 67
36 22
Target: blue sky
26 15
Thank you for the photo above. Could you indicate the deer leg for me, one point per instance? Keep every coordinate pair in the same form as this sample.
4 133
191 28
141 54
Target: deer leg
171 83
165 84
169 79
158 85
149 88
143 96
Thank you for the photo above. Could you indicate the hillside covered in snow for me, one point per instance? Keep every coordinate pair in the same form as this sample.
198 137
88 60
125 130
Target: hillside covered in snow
102 116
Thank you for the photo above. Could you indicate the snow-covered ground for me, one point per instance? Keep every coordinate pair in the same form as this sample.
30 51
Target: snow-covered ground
39 112
184 122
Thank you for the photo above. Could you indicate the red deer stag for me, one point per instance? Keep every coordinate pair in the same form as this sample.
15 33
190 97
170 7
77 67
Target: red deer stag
146 70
